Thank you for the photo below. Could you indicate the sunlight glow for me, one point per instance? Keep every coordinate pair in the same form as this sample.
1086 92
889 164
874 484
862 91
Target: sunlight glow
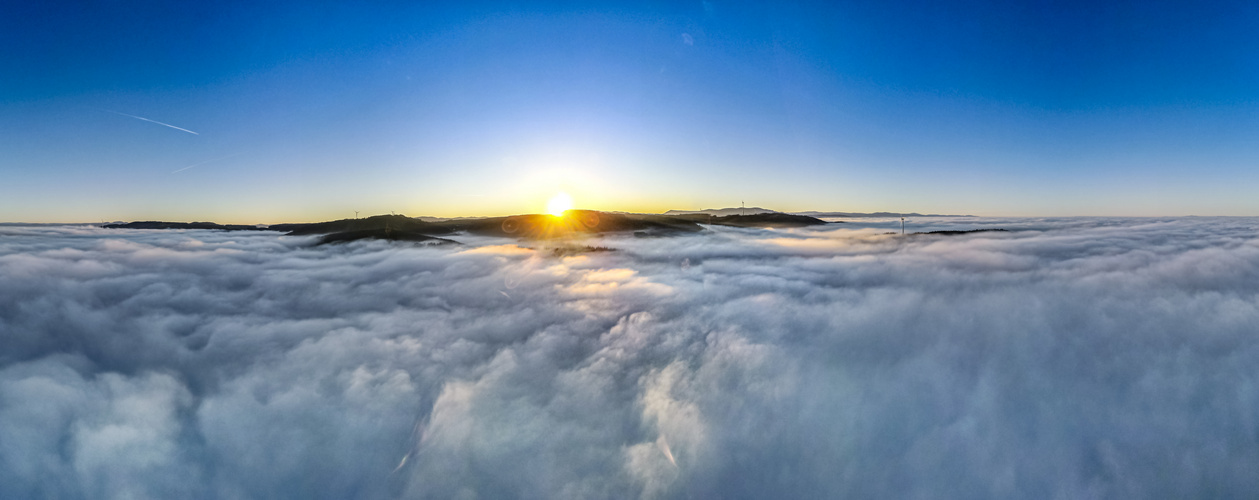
558 204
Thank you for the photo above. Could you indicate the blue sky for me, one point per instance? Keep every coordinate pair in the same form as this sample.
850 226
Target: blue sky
312 110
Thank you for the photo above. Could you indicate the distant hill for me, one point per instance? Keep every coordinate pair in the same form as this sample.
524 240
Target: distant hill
957 233
530 226
764 219
856 215
401 227
542 226
152 224
721 212
376 222
383 234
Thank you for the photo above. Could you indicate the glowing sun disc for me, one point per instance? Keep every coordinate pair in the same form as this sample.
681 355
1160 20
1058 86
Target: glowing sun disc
558 204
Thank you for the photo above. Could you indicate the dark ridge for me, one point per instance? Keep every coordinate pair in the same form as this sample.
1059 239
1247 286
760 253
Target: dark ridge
578 250
382 234
152 224
768 219
373 223
573 223
955 233
853 215
722 212
532 226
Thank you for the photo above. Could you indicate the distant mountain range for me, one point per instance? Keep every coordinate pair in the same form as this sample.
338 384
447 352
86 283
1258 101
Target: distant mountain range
724 211
762 219
433 230
856 215
153 224
530 226
759 210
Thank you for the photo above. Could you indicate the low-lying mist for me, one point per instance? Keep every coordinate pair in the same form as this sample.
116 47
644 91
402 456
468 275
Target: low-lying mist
1063 358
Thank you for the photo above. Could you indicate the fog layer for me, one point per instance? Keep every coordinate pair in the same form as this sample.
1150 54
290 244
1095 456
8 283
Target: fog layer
1071 358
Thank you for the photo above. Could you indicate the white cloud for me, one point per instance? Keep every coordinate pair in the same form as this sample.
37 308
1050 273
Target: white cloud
1066 357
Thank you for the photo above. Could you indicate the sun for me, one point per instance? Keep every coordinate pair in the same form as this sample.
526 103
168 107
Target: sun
558 204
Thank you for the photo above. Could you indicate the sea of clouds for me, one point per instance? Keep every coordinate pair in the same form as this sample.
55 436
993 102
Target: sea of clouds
1065 358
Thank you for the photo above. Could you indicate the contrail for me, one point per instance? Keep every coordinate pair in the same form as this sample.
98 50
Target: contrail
153 121
204 162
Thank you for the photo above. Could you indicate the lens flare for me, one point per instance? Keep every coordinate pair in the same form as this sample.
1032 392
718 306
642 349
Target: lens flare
558 204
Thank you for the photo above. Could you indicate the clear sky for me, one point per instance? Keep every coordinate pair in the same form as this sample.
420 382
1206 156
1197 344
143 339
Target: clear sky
313 110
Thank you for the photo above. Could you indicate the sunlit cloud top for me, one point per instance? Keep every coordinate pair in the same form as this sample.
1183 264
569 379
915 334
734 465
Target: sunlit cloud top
1063 358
